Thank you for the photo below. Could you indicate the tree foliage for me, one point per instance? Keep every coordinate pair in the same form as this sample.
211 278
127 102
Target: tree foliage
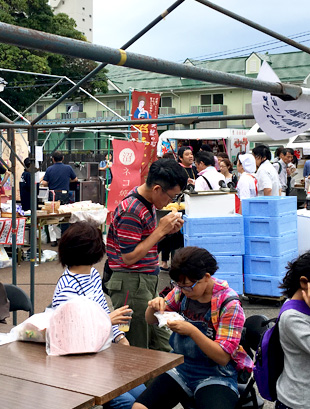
23 89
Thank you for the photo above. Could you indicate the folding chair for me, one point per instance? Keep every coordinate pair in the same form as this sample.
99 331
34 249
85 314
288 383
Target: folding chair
19 300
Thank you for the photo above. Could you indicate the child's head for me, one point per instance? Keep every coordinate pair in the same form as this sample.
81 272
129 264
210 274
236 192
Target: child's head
193 263
81 245
297 276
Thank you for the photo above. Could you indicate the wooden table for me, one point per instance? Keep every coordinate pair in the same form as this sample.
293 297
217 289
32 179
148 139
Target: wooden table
51 218
104 375
21 394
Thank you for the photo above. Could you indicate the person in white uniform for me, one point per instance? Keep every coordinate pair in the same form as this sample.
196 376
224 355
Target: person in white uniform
266 175
247 184
208 176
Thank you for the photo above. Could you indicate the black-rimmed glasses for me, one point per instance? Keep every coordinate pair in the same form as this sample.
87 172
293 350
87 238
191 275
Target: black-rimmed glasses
174 198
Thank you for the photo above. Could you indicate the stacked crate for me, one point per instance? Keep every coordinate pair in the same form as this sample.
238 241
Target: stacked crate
223 237
270 229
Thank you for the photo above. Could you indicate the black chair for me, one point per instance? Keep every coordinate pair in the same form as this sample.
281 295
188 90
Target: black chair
254 327
19 300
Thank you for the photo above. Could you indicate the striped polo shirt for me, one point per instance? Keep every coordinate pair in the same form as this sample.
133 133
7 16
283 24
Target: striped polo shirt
132 223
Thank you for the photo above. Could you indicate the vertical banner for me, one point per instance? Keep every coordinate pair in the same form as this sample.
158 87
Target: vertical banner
144 106
127 159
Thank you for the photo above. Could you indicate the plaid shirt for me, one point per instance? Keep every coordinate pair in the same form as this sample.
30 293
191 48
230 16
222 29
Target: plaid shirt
228 326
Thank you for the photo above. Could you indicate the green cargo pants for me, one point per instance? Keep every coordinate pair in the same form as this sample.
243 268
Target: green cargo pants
142 288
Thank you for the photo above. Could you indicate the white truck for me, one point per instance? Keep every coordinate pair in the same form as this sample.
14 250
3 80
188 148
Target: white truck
233 140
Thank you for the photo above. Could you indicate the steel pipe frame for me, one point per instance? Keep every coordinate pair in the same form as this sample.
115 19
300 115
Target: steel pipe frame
24 37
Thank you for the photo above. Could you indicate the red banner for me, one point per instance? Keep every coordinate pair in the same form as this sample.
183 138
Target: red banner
144 106
127 159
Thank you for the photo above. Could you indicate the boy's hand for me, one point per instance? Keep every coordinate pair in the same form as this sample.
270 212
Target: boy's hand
181 327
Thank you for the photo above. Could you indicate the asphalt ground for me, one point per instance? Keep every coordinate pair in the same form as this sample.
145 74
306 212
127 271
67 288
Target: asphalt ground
47 274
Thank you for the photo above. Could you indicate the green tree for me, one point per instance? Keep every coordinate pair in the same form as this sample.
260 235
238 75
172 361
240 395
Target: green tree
23 89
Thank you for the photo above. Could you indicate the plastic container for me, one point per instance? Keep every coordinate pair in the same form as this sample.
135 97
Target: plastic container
262 285
224 245
209 204
229 264
271 246
213 225
270 226
270 266
272 206
235 281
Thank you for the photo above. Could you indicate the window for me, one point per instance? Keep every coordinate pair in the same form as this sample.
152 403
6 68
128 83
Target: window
83 8
83 19
212 99
90 15
218 99
74 107
205 99
37 109
165 102
90 29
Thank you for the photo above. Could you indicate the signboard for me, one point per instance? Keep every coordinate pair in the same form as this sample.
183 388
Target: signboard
6 231
126 170
144 106
280 119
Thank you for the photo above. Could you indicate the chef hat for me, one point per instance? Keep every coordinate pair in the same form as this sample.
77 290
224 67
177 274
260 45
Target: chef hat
248 162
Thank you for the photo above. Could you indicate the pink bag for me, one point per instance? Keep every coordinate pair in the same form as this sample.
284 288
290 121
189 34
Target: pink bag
78 326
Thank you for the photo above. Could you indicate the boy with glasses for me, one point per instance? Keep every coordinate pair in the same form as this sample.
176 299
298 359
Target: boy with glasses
132 247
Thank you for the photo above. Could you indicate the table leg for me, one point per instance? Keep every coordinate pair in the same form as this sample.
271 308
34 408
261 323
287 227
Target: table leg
39 244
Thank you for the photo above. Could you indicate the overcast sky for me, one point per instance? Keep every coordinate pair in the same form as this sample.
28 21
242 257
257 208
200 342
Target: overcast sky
193 30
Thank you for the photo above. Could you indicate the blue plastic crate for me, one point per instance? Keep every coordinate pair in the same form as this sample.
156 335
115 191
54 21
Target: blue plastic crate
235 281
271 246
262 285
271 206
229 264
213 225
270 226
270 266
218 245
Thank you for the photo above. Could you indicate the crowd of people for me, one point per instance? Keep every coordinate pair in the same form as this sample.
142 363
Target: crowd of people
211 318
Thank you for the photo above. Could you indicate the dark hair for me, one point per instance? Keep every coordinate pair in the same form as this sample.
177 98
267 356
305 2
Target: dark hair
167 173
222 155
57 156
227 163
193 263
168 155
237 157
295 160
108 153
278 151
290 150
205 147
183 149
262 151
296 269
27 163
206 157
81 245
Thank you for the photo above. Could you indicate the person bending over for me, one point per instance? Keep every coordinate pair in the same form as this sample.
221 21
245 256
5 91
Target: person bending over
208 337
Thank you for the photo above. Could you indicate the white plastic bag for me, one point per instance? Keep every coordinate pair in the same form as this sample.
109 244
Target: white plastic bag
78 326
167 316
33 328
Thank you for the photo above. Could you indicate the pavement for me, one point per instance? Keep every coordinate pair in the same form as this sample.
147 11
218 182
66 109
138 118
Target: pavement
47 274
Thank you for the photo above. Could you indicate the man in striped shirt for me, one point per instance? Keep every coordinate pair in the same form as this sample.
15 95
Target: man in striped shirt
132 247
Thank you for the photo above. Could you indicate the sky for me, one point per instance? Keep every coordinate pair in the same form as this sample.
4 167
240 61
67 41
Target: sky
196 31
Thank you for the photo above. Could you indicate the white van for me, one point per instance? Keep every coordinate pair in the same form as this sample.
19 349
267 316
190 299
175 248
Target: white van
234 139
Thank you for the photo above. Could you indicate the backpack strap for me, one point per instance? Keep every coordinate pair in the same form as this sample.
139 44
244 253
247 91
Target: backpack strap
298 305
227 300
209 184
255 182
